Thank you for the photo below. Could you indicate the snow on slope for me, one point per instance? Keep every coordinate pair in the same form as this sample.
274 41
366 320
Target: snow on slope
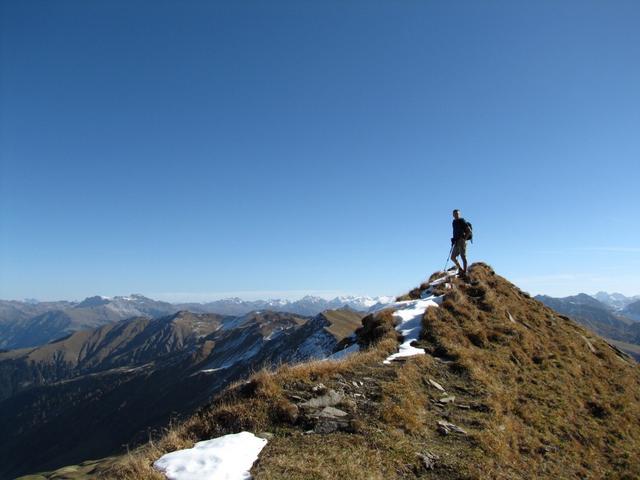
229 457
409 314
345 352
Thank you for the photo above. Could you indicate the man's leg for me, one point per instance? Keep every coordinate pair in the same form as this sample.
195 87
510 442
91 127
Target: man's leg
457 264
463 253
454 255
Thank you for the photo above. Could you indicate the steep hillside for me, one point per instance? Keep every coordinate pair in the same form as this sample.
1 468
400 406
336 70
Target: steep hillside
506 388
616 325
633 311
129 344
98 390
28 325
342 323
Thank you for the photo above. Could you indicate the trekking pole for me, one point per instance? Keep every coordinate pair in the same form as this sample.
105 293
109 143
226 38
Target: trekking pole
448 257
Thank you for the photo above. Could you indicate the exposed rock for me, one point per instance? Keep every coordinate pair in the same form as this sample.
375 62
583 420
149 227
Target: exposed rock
320 388
329 399
622 355
436 385
449 399
428 460
329 420
265 435
591 347
326 426
331 412
446 428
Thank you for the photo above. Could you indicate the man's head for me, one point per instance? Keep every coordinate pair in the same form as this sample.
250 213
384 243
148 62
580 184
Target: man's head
456 213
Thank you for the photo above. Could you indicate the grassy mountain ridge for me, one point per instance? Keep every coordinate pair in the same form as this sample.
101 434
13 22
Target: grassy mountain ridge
96 391
128 343
508 389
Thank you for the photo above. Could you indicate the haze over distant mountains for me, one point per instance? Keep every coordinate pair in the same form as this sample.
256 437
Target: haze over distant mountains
616 301
31 323
614 316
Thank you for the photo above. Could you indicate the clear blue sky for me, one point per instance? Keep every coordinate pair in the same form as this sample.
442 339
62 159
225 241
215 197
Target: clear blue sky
189 150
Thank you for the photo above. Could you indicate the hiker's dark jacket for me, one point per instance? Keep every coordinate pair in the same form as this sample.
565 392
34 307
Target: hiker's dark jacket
459 225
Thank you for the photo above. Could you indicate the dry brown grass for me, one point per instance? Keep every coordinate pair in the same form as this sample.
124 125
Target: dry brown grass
342 323
259 403
560 409
536 400
376 327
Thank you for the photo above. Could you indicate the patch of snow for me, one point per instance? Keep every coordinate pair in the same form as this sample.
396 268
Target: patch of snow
361 303
235 322
409 315
246 355
316 346
275 333
345 352
229 457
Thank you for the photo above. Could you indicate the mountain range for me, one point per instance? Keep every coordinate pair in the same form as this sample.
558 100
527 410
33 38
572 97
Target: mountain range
29 323
107 372
457 379
617 301
99 389
615 320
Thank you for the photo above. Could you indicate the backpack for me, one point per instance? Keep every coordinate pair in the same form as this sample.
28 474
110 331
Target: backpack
468 231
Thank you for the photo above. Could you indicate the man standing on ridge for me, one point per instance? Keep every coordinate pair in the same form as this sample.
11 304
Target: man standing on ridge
461 233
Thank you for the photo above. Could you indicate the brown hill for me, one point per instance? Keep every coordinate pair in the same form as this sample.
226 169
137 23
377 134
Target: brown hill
91 394
342 323
508 389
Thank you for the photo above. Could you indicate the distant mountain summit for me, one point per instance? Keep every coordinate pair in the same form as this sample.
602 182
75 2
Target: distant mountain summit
93 302
619 326
27 324
617 301
307 305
